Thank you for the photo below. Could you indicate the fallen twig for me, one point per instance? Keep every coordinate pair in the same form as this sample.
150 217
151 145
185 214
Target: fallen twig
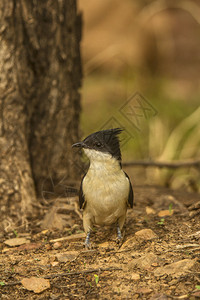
68 274
69 237
11 283
194 206
81 272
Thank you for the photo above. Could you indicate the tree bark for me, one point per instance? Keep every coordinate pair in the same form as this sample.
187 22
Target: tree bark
40 74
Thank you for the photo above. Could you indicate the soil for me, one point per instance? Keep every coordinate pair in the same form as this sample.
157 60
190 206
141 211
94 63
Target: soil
160 263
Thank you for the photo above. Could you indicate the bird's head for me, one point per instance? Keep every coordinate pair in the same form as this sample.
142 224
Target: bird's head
102 144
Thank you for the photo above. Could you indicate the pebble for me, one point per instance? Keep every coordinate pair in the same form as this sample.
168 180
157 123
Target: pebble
135 276
57 245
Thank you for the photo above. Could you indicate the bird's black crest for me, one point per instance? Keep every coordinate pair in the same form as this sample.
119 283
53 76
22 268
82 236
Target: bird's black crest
105 141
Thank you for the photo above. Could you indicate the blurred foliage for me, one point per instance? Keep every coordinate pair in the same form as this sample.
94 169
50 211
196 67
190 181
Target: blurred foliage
150 47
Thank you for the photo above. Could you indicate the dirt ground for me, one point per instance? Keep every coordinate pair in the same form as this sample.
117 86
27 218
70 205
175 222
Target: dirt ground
162 262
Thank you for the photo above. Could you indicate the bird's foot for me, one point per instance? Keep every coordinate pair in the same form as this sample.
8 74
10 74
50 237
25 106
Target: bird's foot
88 246
119 234
120 237
118 240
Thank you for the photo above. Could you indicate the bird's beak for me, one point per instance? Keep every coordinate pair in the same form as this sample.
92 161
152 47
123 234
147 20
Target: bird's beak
78 145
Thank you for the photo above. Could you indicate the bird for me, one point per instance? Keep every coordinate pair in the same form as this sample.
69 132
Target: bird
105 191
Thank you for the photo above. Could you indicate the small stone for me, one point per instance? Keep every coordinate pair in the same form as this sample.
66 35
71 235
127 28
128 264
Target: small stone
57 245
44 231
48 247
144 290
135 276
54 263
146 234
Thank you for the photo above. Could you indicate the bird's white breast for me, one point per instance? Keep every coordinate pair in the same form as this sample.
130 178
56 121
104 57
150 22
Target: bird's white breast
105 188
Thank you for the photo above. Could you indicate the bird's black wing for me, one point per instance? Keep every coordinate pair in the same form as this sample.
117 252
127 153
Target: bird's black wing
81 196
131 194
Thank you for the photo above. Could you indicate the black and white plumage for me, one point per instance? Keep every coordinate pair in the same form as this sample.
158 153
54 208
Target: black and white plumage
106 191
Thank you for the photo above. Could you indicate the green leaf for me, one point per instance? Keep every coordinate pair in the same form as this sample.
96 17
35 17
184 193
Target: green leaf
15 232
161 221
197 287
79 231
2 283
96 277
170 207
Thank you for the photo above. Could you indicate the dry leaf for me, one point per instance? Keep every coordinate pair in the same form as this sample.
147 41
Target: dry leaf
16 242
144 262
35 284
129 243
67 256
177 269
146 234
165 213
150 211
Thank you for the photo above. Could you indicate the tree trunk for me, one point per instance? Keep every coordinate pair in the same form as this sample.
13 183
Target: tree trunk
40 75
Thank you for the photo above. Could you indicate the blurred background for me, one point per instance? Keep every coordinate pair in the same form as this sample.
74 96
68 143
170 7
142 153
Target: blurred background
141 65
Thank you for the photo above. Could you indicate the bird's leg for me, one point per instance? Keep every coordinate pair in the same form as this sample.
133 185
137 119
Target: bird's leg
120 225
87 225
119 234
87 240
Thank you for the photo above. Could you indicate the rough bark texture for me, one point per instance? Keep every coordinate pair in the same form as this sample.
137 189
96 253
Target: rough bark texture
40 75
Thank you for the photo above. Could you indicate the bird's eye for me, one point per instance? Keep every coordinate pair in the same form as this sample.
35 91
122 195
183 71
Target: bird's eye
98 144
